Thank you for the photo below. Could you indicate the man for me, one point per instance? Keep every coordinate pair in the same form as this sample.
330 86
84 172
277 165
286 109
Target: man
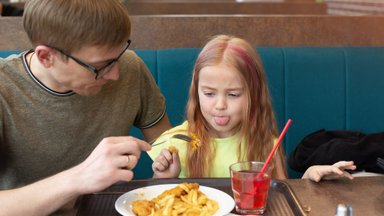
67 105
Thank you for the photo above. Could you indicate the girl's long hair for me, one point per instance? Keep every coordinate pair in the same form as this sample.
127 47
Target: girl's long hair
258 126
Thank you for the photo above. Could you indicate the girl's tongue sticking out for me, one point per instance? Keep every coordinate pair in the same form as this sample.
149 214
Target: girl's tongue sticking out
221 120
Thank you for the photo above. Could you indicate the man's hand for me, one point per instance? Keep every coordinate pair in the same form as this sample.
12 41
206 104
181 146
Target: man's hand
111 161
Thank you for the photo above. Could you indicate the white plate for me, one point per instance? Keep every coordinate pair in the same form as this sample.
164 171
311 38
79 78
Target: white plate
123 203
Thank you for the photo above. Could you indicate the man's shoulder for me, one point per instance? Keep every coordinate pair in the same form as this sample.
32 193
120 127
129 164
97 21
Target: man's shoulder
11 66
131 57
132 62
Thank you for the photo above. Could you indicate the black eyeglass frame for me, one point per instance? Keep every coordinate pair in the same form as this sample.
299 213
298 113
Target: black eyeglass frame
98 71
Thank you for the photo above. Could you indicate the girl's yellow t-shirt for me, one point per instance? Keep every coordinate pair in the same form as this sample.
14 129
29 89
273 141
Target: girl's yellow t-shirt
226 151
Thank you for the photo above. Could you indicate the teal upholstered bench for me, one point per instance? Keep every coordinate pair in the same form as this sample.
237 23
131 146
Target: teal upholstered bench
317 87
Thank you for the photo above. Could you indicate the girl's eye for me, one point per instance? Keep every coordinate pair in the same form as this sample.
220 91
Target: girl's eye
234 94
209 94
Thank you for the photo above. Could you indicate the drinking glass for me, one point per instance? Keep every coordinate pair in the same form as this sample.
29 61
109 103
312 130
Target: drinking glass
250 187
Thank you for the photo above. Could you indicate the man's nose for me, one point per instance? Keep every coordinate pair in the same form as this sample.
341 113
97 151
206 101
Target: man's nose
113 74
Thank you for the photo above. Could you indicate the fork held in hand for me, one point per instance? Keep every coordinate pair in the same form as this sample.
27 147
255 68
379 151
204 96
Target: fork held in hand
380 163
176 136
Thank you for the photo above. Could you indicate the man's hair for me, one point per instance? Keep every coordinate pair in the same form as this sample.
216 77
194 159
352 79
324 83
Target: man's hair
72 24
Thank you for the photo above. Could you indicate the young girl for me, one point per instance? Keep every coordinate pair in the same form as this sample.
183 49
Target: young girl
229 115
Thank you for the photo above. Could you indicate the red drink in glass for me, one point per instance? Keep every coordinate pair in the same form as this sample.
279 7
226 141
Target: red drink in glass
250 189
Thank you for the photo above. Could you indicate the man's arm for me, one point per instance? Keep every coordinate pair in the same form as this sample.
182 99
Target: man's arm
155 131
40 198
106 165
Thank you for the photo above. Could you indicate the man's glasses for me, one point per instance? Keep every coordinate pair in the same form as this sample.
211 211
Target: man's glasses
98 71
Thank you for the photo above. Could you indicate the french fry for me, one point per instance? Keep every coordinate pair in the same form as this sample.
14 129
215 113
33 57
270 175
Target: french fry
186 200
184 187
202 199
194 197
173 149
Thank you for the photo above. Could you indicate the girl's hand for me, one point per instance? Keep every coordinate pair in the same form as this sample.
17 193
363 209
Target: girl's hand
337 170
166 165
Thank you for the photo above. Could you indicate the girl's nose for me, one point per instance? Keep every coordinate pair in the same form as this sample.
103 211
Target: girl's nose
221 103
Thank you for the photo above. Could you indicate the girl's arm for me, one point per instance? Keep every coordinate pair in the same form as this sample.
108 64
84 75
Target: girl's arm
279 171
337 170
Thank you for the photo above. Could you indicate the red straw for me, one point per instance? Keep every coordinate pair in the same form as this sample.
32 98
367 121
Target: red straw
270 156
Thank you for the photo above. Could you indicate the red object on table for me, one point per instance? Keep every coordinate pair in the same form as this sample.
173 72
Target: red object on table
270 156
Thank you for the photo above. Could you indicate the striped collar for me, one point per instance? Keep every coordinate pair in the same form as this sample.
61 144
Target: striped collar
38 82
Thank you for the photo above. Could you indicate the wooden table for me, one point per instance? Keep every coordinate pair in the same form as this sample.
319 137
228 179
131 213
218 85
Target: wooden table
364 194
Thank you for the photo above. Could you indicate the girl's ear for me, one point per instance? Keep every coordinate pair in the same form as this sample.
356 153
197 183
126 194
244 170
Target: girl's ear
45 55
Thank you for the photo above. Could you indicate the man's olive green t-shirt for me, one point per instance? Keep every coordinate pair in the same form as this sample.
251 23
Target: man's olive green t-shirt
43 132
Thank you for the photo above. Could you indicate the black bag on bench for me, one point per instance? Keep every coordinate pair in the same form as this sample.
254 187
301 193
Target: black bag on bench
328 147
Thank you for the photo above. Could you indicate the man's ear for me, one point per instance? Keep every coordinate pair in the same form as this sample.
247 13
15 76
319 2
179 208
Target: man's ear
45 55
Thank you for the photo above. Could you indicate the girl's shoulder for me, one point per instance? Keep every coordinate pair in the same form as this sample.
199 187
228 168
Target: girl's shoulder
166 142
180 129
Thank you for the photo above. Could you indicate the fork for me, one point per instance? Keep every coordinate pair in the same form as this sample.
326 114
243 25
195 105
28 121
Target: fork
175 136
380 162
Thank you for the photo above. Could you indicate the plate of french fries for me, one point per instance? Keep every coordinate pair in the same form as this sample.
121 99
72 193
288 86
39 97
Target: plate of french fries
175 199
